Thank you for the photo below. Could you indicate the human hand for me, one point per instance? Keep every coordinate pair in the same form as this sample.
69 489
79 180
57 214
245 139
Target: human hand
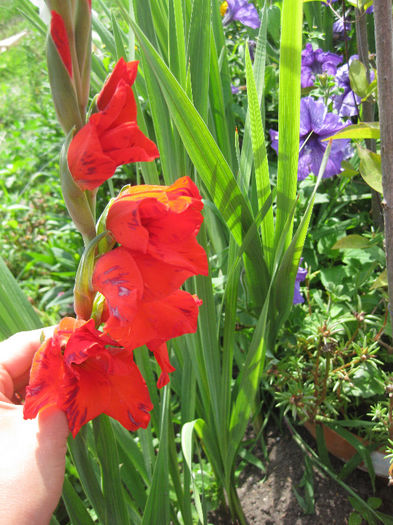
32 459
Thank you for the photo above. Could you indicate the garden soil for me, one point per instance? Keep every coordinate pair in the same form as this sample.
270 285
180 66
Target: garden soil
269 498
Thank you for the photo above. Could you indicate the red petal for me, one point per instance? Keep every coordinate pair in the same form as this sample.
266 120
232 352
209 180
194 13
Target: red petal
130 401
46 380
117 277
158 321
107 382
59 36
167 218
159 279
161 354
123 70
88 164
120 108
126 143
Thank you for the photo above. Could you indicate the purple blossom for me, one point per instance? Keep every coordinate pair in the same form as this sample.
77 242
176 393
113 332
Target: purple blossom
234 89
242 11
317 124
346 104
317 62
300 276
341 29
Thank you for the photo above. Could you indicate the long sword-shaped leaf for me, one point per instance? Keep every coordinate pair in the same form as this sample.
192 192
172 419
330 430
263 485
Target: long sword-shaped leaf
260 162
115 507
157 506
199 55
259 75
16 313
284 282
207 158
76 508
288 111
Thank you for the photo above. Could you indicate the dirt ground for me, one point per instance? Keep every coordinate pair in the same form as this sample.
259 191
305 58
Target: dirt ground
269 499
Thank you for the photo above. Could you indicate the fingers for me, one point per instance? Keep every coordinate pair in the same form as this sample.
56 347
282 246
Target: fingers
16 353
6 385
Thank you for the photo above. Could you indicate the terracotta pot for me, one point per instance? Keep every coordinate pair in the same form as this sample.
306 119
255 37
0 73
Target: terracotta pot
343 450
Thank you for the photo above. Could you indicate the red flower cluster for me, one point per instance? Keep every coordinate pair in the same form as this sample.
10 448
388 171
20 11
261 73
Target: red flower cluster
86 373
112 136
156 227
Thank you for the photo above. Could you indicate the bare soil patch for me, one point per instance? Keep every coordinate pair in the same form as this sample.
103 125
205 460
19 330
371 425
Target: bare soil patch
269 499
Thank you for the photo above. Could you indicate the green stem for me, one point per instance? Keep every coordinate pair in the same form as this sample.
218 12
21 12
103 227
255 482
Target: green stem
234 503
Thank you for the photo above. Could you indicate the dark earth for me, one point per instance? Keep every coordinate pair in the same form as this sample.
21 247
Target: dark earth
268 498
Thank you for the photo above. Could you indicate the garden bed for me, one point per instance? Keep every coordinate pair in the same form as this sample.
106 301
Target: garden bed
269 498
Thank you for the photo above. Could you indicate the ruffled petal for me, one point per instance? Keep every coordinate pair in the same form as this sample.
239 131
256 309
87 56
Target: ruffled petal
158 321
46 380
126 143
123 70
87 162
160 352
117 277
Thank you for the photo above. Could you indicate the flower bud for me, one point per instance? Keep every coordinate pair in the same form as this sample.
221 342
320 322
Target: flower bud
75 199
60 70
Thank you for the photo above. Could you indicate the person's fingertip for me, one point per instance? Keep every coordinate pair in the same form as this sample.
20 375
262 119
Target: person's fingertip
54 421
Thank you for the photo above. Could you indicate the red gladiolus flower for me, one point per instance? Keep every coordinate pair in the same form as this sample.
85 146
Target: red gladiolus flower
144 306
112 136
59 36
161 221
85 373
157 228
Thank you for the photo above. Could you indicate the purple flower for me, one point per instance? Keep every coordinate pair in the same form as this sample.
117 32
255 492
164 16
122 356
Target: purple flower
341 29
317 62
315 125
242 11
300 276
347 103
234 89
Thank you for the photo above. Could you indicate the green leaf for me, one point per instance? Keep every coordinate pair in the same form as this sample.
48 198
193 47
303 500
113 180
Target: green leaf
199 54
157 506
260 161
375 503
352 242
76 508
16 313
209 161
115 507
187 448
288 113
87 474
381 281
355 519
358 78
363 130
370 168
